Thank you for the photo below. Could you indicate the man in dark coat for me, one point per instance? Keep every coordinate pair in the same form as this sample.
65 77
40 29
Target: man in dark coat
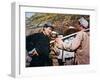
38 46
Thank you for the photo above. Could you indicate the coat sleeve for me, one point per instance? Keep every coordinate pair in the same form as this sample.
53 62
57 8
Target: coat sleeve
74 45
63 46
77 41
30 43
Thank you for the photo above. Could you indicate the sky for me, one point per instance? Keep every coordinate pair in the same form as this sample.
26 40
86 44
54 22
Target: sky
29 14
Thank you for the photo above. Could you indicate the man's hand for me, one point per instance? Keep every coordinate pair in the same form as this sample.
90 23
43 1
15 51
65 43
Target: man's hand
59 40
35 53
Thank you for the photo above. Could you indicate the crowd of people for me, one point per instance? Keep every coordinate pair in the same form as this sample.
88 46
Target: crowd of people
45 48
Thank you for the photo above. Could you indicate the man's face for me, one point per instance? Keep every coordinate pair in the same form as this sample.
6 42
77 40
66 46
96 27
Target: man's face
48 31
78 27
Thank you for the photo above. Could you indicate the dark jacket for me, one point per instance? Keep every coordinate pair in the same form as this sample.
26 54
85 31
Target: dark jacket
41 43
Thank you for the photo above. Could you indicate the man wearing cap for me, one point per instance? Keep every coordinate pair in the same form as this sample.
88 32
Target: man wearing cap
80 43
38 46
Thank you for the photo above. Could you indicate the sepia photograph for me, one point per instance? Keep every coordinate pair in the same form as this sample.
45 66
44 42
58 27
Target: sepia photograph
56 39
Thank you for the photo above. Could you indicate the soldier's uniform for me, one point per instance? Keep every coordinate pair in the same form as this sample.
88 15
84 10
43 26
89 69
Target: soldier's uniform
54 55
54 50
38 45
80 45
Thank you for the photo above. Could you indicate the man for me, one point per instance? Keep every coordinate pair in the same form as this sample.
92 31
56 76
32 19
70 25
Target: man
80 43
38 46
54 50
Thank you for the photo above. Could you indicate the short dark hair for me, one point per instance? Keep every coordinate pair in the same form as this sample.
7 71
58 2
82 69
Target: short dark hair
48 25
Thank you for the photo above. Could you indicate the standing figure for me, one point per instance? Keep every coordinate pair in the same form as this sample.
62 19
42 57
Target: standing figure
38 46
80 44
